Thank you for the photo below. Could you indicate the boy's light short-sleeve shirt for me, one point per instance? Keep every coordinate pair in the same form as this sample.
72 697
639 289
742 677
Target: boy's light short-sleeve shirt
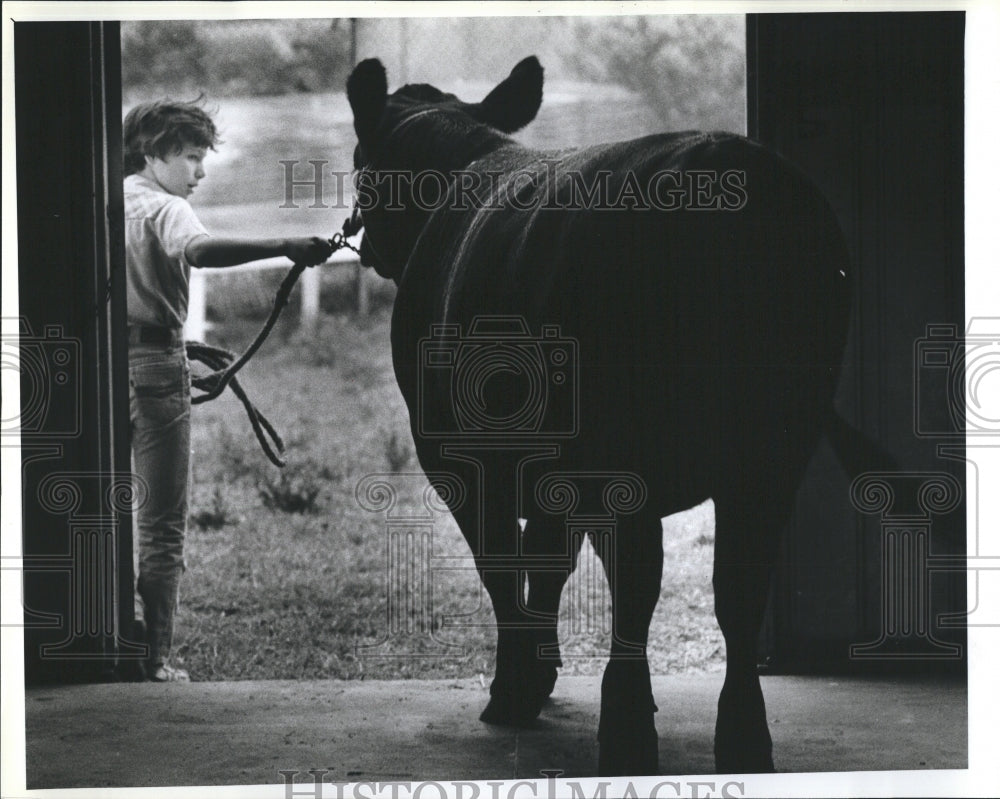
158 228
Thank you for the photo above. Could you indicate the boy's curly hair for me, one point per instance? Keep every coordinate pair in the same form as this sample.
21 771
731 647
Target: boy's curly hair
165 127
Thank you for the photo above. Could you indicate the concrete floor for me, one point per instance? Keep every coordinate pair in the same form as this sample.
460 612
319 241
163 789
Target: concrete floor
244 733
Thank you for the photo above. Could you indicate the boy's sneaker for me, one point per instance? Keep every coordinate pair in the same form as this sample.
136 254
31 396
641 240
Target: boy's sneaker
165 673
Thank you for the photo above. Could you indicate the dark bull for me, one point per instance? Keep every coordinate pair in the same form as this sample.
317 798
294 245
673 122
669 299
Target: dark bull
563 330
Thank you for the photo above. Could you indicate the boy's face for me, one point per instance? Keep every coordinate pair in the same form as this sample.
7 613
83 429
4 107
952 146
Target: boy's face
178 173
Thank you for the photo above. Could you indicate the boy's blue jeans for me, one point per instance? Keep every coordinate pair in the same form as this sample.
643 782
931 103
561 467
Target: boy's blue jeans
160 410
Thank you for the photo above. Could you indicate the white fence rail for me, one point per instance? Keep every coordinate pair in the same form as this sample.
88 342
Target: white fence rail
197 324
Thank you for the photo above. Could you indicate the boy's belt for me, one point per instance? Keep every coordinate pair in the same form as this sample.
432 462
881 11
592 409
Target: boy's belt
148 334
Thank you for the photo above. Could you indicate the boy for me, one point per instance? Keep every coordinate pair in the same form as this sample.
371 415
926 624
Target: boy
165 145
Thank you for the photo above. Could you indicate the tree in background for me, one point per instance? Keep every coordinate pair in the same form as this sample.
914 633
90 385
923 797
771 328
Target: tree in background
162 54
241 57
691 69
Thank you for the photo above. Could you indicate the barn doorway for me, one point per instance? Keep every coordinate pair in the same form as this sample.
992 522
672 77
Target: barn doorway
808 96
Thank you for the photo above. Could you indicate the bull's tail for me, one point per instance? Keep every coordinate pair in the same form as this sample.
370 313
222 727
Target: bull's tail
856 451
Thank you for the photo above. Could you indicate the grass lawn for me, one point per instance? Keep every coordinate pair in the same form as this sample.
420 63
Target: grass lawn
288 574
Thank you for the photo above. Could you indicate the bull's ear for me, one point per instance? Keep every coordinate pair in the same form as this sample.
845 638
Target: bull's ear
366 91
515 101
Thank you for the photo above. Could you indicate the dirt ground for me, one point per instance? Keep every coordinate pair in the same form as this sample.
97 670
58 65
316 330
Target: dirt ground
247 733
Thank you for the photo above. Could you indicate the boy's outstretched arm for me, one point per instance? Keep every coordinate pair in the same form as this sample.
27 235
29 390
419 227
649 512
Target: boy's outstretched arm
210 252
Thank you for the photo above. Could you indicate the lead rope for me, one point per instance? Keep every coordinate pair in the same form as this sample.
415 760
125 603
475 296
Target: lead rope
225 363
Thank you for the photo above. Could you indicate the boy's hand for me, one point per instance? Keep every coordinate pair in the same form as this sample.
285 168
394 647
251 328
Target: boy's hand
308 251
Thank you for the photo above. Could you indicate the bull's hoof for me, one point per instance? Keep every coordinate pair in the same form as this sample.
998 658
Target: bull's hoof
742 757
743 751
743 765
519 707
629 756
742 740
508 712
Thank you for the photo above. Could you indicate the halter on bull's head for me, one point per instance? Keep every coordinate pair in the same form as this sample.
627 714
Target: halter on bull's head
416 131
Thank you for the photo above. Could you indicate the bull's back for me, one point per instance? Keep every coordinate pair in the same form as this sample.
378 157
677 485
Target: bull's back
687 320
673 222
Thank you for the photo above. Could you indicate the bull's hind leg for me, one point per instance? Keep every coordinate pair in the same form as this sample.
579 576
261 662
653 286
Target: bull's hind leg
524 677
488 521
627 731
527 638
747 532
552 555
510 703
523 681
